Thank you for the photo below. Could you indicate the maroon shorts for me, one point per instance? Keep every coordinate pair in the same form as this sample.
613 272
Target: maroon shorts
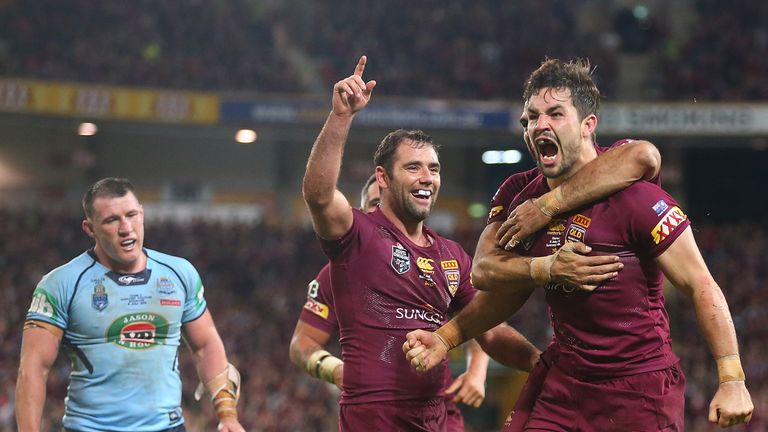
651 401
455 421
394 416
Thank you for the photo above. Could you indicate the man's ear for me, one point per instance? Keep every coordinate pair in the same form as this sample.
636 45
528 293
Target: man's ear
588 125
88 228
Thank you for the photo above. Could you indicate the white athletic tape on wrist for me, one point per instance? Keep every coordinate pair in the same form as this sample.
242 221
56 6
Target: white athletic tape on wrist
321 364
224 390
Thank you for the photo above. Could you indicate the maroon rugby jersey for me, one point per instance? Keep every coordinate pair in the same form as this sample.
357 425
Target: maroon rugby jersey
319 312
621 328
384 286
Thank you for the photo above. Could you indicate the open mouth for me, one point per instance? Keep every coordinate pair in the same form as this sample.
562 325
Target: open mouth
422 194
548 150
128 244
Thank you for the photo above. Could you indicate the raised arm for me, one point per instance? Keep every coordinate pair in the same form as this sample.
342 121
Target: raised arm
221 379
307 351
684 266
39 348
330 210
611 172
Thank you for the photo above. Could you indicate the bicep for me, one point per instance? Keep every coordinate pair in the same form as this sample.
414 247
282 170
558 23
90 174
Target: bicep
39 348
306 334
200 332
683 264
334 219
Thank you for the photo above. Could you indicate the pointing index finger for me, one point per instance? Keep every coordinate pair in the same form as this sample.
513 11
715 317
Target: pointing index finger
361 66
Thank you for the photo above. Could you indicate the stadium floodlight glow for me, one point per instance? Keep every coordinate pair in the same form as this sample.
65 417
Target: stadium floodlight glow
87 129
492 157
245 136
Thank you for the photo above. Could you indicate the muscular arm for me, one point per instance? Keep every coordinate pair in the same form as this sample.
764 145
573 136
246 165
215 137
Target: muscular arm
496 269
39 348
609 173
684 266
330 210
206 345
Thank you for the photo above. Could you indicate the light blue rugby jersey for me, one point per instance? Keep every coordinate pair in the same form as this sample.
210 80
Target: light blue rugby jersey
123 334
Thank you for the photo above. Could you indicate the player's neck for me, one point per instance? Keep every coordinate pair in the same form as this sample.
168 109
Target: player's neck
412 229
587 155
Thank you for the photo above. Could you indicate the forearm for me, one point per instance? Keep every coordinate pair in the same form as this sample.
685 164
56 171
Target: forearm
301 349
324 164
499 270
485 311
210 359
30 400
510 348
612 172
477 359
714 319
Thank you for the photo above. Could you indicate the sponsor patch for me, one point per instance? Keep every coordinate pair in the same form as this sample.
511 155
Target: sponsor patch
170 302
136 299
130 279
495 211
99 299
175 415
317 308
449 265
401 260
425 264
452 277
581 220
139 331
556 227
427 278
667 224
660 207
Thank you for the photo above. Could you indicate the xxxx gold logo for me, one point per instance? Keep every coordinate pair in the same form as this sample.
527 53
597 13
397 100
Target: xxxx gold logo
449 265
582 220
425 264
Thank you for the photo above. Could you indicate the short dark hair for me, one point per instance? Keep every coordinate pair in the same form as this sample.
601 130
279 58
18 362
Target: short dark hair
364 193
574 75
386 150
111 187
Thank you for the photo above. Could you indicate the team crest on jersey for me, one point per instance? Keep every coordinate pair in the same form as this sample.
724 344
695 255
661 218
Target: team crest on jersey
99 299
527 242
578 229
138 331
668 224
452 277
401 260
165 286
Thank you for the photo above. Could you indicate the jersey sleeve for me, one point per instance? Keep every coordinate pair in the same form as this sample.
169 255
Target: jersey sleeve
50 300
194 301
655 218
502 199
348 244
318 309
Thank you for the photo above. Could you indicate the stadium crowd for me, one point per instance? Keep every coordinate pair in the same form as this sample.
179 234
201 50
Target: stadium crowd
467 49
256 278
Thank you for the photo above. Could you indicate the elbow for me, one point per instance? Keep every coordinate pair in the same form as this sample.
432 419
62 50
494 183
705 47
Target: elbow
648 158
481 276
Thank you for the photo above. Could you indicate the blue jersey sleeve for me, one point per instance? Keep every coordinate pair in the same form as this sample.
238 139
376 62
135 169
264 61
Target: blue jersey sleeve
194 301
50 300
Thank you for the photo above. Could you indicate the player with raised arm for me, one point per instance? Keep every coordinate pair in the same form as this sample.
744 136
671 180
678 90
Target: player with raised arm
390 273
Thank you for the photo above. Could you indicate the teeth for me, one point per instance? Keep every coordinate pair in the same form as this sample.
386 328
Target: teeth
423 193
549 158
128 242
